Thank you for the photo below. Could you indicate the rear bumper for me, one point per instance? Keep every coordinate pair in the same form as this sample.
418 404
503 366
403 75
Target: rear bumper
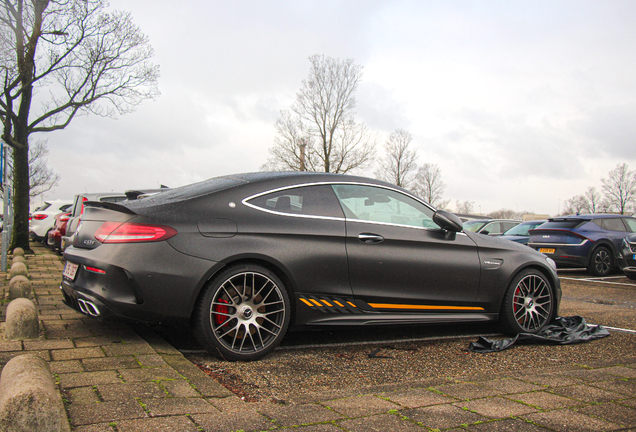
148 282
565 255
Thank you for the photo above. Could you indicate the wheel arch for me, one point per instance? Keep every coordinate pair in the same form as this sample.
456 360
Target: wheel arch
533 266
504 320
607 244
273 266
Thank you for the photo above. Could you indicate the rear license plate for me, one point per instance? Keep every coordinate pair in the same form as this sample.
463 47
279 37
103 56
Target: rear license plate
547 250
70 270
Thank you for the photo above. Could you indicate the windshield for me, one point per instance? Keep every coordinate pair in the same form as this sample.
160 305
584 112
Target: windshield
474 226
522 229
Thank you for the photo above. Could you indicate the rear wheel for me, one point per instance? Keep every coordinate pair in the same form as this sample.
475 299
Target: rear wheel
601 262
243 314
528 304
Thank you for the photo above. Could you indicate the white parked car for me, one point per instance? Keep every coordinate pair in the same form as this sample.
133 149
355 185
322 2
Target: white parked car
43 218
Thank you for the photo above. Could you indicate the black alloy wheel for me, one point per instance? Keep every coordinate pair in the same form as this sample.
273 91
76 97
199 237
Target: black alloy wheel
601 262
244 313
528 304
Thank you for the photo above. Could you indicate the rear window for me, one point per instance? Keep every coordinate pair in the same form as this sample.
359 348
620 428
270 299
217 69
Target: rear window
563 224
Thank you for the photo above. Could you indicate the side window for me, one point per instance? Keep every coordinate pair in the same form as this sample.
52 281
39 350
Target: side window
614 224
304 200
377 204
631 224
493 228
507 226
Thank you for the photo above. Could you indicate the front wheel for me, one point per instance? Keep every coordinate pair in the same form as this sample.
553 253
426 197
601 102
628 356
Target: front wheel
243 314
528 303
601 262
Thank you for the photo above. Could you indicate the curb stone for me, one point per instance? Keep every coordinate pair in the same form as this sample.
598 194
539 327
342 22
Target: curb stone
22 320
28 398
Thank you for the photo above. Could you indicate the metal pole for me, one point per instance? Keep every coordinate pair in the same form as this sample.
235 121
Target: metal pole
6 227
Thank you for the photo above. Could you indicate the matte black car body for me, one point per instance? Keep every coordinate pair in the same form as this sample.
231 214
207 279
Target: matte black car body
337 266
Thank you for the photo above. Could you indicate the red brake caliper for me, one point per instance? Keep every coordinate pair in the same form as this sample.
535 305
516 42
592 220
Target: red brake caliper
219 309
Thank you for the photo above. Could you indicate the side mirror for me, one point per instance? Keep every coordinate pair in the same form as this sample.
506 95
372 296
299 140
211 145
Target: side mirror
448 222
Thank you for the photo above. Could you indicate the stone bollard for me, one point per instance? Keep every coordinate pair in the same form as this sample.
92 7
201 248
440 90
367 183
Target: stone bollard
19 287
18 252
19 258
18 269
28 398
22 320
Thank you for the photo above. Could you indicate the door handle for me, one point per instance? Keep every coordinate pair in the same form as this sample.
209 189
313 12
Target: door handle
370 238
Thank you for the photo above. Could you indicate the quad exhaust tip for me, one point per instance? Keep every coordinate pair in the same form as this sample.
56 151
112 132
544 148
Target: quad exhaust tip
88 308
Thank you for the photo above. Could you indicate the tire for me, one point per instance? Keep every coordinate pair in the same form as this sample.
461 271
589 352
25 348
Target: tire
528 304
631 276
601 262
244 300
45 239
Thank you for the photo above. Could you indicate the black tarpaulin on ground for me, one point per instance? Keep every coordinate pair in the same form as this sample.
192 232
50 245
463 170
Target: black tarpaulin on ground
561 331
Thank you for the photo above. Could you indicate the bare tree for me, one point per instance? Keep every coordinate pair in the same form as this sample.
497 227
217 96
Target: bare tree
620 188
464 208
504 213
576 205
429 185
76 59
398 163
319 133
42 178
594 200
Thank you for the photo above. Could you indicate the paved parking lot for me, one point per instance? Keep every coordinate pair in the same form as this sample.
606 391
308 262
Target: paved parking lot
119 378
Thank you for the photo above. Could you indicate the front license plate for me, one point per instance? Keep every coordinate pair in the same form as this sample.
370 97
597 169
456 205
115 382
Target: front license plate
70 270
547 250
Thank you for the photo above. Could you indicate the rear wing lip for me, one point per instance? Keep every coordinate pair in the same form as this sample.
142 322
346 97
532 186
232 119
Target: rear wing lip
109 206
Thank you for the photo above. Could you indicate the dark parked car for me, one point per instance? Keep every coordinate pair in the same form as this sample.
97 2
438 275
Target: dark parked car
627 262
243 257
592 241
492 227
521 233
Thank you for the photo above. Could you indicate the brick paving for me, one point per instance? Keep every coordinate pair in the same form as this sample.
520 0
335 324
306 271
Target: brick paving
115 377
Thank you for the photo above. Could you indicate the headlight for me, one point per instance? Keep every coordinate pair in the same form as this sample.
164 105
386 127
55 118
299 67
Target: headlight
625 244
551 263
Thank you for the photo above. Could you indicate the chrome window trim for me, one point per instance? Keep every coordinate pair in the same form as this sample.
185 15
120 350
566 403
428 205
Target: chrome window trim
557 244
344 219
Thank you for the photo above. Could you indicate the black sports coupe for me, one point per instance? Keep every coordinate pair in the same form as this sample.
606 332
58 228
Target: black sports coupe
242 257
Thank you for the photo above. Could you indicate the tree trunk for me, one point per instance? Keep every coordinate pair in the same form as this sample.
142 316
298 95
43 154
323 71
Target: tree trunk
20 237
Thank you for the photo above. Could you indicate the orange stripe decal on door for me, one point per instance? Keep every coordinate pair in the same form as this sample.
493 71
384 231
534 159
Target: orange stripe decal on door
422 307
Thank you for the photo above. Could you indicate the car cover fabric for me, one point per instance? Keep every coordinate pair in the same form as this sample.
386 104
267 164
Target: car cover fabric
561 331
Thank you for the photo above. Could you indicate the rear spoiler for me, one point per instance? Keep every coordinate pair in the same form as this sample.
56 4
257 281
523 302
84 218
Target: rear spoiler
137 194
109 206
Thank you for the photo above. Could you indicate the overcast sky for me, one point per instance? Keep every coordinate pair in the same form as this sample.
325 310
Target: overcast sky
522 104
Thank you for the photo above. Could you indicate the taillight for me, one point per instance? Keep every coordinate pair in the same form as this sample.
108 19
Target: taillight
40 216
84 199
65 217
117 232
